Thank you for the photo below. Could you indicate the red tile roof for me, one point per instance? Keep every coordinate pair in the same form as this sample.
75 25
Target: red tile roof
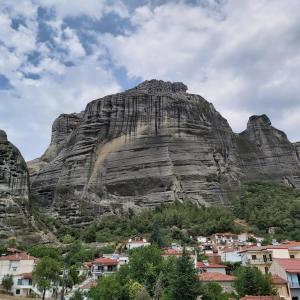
278 280
169 252
202 265
247 297
105 261
214 276
18 256
290 265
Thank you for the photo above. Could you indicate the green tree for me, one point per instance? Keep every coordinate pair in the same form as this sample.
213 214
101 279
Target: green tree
142 295
46 273
213 291
250 281
144 266
108 288
43 251
156 235
184 282
7 282
134 288
78 295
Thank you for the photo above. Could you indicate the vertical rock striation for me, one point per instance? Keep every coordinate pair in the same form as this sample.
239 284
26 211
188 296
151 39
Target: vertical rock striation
149 145
266 153
15 220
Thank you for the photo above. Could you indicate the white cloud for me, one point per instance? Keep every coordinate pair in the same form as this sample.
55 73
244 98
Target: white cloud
241 55
91 8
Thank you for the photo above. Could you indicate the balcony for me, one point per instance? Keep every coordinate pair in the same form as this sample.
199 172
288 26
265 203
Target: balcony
260 261
294 285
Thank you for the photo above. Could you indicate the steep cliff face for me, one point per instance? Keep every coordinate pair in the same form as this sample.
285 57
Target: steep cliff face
266 153
152 144
149 145
15 221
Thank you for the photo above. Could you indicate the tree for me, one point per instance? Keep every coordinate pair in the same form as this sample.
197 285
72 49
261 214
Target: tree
108 288
156 235
46 273
184 282
213 291
144 266
250 281
133 288
142 295
7 282
78 295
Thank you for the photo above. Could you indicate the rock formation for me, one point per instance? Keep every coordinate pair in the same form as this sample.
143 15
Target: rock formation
15 220
153 144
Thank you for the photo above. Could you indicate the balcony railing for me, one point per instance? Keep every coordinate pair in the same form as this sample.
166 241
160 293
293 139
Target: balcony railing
294 284
260 261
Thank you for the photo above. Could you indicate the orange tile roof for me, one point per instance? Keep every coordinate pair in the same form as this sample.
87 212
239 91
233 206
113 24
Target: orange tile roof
105 261
290 265
278 280
18 256
214 276
201 265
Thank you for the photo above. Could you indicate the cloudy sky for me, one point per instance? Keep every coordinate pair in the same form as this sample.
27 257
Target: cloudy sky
57 55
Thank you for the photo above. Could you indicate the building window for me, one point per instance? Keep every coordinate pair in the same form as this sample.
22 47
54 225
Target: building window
292 256
253 257
18 292
270 257
294 298
19 281
266 270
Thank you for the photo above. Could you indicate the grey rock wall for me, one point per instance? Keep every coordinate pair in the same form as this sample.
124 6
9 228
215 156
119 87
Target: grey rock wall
153 144
15 219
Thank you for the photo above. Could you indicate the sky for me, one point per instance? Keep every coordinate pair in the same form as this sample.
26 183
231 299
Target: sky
58 55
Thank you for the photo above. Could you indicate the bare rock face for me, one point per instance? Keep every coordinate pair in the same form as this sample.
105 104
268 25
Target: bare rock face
15 220
266 153
153 144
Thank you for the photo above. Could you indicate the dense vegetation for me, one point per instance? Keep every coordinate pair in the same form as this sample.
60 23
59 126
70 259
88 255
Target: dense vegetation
172 222
264 205
149 276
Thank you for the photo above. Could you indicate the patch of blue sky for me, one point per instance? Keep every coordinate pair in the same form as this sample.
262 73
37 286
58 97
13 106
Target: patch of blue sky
5 83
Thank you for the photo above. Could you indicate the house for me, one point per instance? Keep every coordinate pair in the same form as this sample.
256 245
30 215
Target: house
224 238
262 257
169 252
137 242
205 266
103 266
214 258
231 255
225 281
15 264
122 259
288 269
22 284
202 239
281 286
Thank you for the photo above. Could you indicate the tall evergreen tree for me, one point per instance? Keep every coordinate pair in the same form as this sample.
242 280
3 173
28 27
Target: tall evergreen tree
250 281
184 282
